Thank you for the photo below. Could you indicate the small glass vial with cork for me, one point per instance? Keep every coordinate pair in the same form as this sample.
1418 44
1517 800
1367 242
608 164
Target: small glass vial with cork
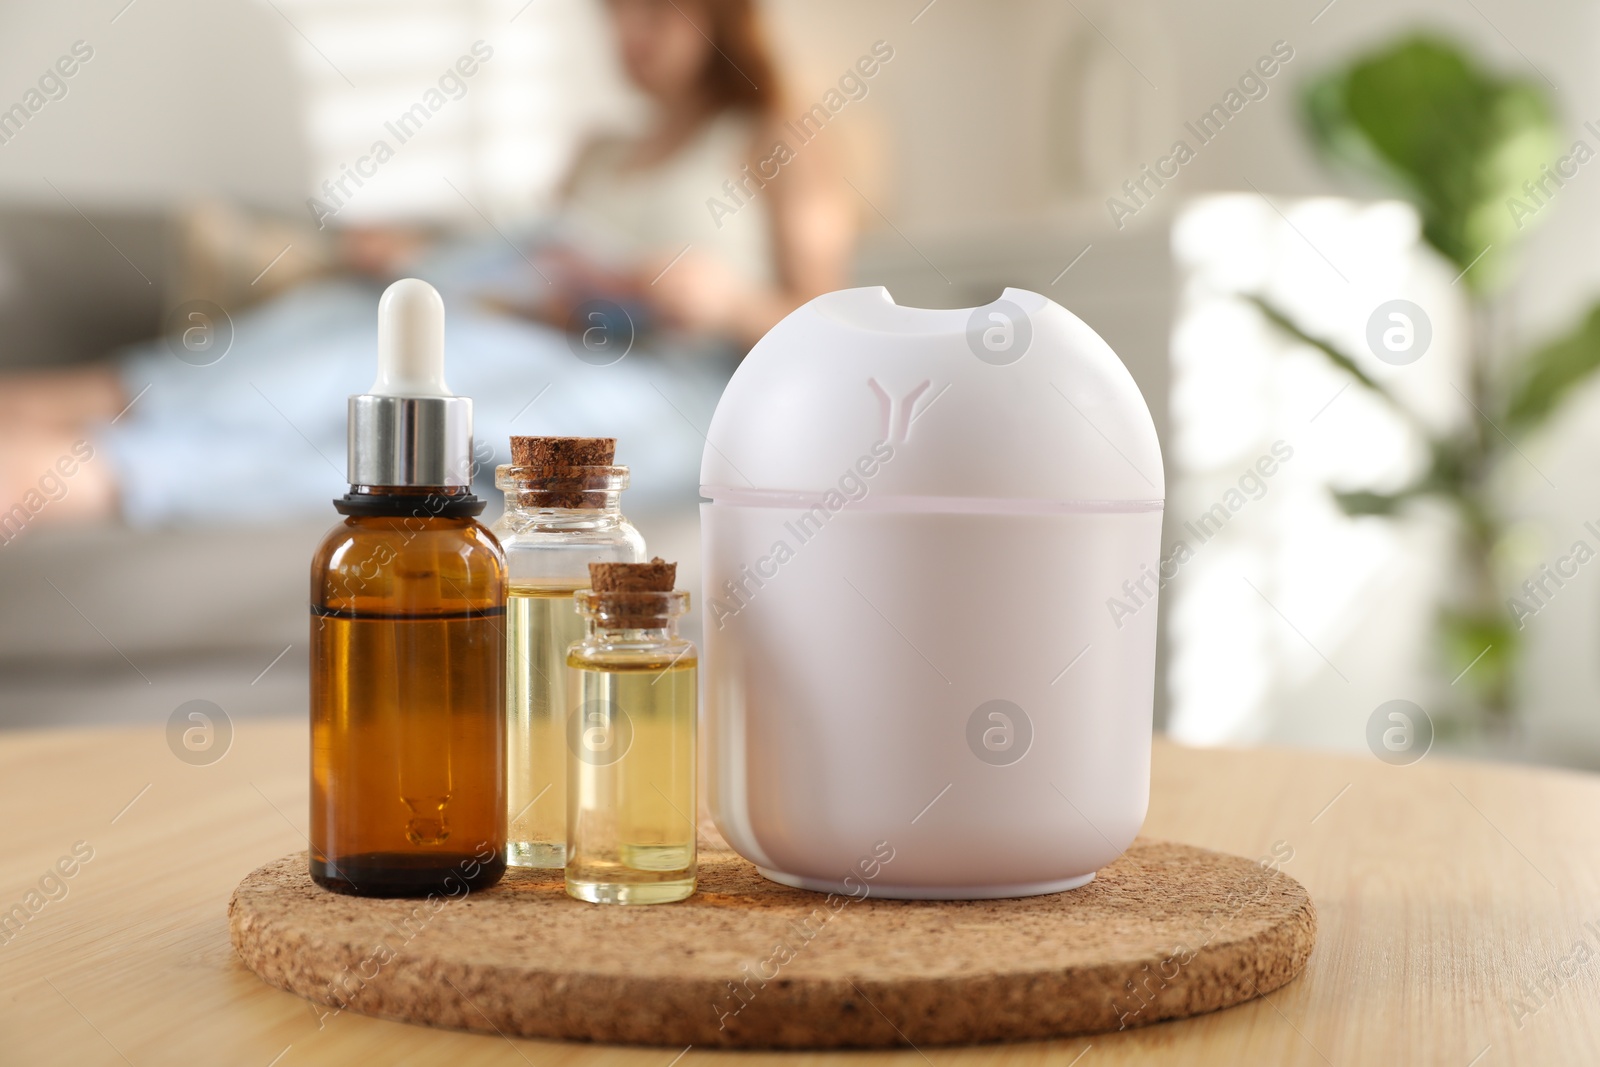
562 513
631 796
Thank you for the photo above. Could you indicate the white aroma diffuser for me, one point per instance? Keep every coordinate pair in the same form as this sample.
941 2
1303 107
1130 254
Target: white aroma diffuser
930 557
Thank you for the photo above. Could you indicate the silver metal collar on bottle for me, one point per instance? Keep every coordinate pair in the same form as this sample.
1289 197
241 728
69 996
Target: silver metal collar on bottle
415 441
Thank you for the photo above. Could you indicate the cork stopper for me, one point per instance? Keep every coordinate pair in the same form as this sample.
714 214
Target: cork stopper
657 576
634 595
561 463
558 455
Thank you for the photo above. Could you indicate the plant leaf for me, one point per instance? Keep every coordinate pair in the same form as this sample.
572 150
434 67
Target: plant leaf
1484 646
1362 502
1424 118
1553 371
1336 357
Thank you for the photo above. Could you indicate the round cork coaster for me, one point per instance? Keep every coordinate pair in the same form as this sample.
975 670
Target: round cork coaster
1165 932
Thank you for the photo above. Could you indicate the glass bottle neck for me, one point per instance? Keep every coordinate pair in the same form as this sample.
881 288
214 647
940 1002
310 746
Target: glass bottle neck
633 636
412 502
632 618
525 508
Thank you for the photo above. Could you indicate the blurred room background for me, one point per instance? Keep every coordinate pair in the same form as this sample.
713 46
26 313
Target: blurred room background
1005 143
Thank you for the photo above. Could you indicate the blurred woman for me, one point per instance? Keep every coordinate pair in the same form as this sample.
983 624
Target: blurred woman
670 253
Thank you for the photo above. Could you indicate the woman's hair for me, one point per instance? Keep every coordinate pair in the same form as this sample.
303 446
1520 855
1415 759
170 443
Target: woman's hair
740 73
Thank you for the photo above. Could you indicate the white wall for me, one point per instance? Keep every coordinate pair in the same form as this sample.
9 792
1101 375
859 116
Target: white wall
181 98
965 110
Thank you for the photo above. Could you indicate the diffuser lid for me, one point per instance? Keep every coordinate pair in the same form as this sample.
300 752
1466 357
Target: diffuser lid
1018 400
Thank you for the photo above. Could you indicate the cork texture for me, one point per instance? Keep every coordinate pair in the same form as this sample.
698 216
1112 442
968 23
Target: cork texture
1165 932
657 576
628 594
558 455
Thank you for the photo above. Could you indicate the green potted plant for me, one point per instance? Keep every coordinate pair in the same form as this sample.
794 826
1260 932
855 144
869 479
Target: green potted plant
1469 148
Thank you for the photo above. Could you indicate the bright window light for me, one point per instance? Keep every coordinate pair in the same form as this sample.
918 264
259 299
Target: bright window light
1291 622
505 143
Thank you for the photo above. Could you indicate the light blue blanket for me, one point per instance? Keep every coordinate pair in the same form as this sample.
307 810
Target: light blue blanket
260 434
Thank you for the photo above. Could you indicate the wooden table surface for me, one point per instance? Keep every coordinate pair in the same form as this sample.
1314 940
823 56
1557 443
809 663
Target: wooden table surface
1454 899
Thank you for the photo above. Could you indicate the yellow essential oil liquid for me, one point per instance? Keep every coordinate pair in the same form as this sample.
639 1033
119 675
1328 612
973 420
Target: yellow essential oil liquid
541 624
562 513
630 742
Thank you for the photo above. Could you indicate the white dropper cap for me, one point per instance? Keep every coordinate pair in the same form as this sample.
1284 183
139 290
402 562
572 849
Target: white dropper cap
410 429
410 341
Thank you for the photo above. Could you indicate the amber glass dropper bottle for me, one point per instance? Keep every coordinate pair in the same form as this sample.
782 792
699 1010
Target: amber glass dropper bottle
408 638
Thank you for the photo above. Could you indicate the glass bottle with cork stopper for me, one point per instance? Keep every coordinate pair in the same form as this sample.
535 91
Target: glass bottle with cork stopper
407 639
631 789
562 513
